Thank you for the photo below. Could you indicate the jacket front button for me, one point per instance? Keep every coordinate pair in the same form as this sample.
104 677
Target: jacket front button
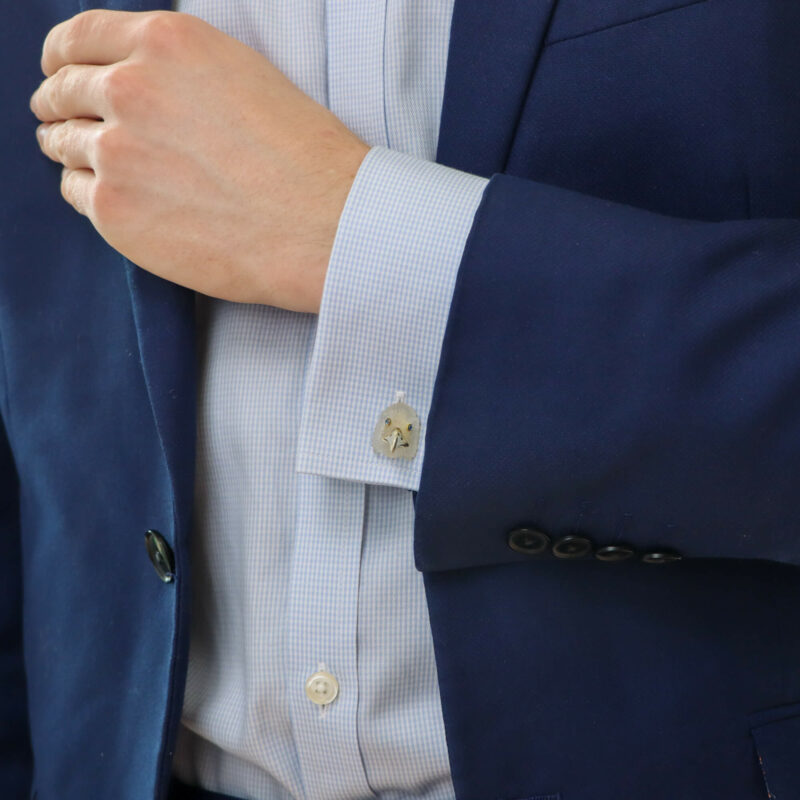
528 541
161 556
572 547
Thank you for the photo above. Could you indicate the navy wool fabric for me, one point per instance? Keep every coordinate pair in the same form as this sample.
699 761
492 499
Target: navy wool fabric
622 361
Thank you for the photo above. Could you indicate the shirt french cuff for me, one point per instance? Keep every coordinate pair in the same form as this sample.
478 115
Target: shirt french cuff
383 314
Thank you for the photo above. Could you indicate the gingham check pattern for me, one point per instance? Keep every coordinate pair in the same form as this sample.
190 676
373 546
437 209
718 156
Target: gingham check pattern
384 310
303 540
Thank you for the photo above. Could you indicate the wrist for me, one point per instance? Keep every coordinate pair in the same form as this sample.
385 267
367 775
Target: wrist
342 176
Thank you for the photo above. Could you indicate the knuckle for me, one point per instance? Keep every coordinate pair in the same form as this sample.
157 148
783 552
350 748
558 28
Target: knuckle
64 40
108 147
47 49
66 186
163 30
107 201
57 87
76 30
64 80
89 19
68 190
56 146
120 86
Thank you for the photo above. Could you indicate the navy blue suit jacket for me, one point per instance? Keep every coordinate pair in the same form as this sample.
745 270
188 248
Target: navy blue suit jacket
621 362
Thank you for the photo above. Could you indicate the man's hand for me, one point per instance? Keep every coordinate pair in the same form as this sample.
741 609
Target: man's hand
194 156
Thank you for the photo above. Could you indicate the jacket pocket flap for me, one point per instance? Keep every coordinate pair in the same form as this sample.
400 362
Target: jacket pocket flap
777 737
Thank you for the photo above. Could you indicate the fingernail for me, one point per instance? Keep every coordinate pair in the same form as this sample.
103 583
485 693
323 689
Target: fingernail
41 130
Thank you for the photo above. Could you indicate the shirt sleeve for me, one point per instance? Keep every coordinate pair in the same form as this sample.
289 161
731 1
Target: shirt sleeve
383 314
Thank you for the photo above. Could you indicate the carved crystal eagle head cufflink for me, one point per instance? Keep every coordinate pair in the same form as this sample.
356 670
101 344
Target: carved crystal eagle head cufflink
396 433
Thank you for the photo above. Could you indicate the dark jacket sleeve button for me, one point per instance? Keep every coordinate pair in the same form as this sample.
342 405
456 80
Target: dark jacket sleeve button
572 547
528 541
161 555
661 557
614 552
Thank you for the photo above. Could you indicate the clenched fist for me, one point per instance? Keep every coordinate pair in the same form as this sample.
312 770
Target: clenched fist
194 156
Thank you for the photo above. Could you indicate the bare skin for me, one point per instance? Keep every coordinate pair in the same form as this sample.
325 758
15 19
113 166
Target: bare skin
195 157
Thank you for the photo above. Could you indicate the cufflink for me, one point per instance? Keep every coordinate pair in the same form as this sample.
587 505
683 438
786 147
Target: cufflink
396 433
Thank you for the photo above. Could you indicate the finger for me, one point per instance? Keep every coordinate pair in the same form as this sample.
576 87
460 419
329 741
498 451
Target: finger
72 143
77 186
97 36
75 90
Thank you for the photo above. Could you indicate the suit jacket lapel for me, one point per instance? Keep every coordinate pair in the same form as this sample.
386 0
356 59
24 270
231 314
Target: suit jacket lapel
494 48
165 328
163 313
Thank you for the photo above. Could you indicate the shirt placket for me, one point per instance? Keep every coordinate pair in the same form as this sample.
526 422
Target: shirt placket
356 38
322 611
322 618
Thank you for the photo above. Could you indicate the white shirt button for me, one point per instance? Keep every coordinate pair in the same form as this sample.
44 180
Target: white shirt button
322 688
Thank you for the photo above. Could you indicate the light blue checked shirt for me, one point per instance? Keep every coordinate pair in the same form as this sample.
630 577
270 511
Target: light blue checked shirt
302 546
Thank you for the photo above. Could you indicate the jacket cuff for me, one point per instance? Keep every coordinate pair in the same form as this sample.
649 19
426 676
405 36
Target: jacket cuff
383 313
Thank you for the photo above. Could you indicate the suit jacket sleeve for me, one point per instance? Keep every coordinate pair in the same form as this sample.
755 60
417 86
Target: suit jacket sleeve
614 373
15 757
